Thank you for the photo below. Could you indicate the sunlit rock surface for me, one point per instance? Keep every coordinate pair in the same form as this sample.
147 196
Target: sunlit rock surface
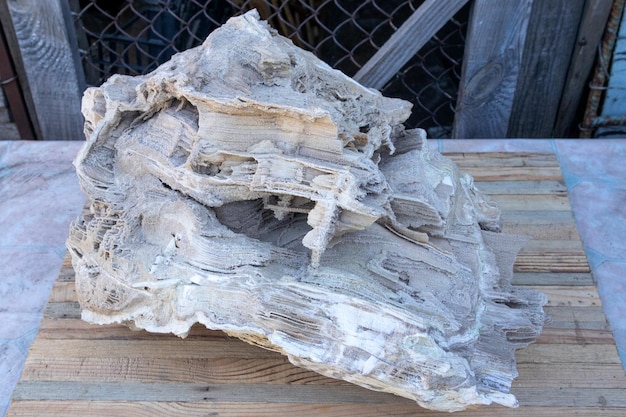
247 186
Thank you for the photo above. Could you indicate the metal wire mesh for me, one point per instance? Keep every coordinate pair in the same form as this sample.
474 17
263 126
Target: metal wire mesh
135 36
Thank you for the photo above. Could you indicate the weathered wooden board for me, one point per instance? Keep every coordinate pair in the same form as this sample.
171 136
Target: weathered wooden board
78 369
548 50
491 67
419 28
53 75
588 39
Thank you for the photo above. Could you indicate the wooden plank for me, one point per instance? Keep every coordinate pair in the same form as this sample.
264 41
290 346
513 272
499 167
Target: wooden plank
547 53
66 274
564 296
553 246
106 391
523 187
556 256
553 262
12 92
532 202
263 409
556 231
574 317
560 366
220 348
594 18
418 29
240 352
175 347
575 397
568 375
47 54
514 174
63 292
226 371
539 217
570 355
505 168
553 335
551 278
503 159
6 24
62 310
71 328
316 394
491 66
158 392
549 225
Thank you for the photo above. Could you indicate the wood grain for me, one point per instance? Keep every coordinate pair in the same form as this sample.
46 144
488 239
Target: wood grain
491 67
418 29
77 369
551 278
547 52
262 409
594 17
523 187
555 224
503 159
12 91
50 68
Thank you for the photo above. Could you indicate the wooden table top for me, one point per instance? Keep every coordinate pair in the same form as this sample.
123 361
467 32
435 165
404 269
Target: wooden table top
78 369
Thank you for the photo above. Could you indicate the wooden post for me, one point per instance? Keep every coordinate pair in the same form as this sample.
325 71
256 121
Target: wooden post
55 81
9 82
595 16
491 67
547 54
16 58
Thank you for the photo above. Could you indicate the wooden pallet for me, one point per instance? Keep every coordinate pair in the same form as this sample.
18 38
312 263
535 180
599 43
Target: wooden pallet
78 369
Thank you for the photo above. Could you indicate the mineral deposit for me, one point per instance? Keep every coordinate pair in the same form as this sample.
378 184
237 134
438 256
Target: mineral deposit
247 186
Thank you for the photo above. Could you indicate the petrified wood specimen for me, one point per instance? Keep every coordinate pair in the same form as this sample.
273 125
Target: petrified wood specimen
247 186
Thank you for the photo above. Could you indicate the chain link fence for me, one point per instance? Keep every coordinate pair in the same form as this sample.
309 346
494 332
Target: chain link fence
135 36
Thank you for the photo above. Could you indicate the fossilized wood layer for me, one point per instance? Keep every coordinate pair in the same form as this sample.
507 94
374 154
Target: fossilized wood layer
247 186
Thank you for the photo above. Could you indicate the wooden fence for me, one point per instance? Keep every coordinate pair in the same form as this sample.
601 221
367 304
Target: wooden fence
525 67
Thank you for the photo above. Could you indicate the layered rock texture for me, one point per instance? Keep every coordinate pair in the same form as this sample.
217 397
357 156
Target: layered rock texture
247 186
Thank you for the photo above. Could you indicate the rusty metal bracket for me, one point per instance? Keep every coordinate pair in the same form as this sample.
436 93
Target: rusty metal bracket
10 80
